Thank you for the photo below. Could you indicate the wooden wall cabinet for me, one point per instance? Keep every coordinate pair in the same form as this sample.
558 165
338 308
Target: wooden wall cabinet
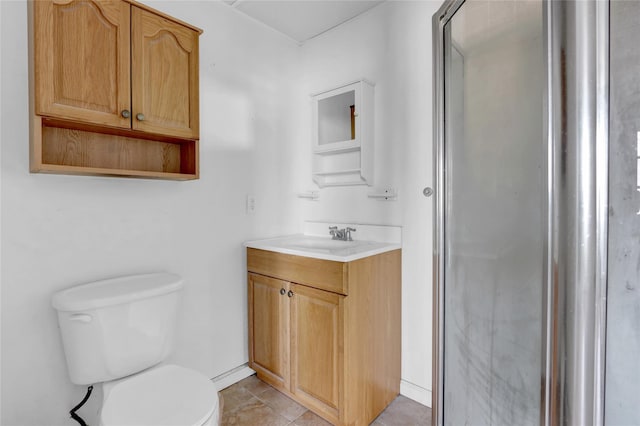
164 64
327 333
115 90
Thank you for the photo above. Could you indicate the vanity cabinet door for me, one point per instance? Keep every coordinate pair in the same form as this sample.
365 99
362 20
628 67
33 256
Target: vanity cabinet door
269 329
82 57
317 347
164 67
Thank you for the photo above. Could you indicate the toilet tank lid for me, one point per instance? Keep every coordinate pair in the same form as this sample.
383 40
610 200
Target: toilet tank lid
115 291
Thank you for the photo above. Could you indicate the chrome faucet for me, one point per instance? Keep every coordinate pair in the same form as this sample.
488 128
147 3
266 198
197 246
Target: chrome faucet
348 232
341 234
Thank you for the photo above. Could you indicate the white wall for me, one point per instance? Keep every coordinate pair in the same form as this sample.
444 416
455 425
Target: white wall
391 46
58 231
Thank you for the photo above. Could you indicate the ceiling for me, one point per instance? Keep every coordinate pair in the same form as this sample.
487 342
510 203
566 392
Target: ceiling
302 20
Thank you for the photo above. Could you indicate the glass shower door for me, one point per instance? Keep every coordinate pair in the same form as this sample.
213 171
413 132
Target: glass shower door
494 213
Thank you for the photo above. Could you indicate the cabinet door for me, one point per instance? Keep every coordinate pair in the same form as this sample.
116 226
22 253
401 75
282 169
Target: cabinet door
316 347
164 76
269 329
82 53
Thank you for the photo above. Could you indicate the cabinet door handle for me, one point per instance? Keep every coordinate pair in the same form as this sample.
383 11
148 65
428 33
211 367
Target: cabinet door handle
140 116
125 113
282 291
290 293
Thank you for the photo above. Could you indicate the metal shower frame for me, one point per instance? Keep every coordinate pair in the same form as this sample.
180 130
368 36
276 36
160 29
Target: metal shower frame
576 120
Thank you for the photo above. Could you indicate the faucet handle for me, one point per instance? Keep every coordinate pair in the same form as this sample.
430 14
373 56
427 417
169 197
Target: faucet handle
333 228
348 232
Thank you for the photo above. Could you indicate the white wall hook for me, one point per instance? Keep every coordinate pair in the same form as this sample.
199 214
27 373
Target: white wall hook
311 195
387 194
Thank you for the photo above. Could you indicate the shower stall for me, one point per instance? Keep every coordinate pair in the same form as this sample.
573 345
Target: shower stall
524 251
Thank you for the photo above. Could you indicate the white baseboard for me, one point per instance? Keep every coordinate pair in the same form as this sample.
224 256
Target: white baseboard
415 392
225 380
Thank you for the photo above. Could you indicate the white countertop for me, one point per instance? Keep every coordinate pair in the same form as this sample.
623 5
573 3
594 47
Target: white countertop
323 247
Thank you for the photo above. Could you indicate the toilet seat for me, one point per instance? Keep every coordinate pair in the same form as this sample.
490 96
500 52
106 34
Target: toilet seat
165 396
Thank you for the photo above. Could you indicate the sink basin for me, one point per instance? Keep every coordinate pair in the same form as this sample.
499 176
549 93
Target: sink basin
322 247
321 244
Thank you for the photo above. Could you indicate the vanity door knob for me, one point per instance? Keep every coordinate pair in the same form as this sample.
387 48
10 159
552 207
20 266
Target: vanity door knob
140 116
290 293
125 113
282 291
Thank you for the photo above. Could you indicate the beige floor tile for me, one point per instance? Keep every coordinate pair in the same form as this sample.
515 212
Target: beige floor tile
254 385
251 402
310 418
404 412
282 404
428 418
253 413
234 396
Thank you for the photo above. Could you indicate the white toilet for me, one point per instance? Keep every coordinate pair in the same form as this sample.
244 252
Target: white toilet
117 332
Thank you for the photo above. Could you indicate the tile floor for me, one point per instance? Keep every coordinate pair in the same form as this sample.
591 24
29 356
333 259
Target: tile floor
251 402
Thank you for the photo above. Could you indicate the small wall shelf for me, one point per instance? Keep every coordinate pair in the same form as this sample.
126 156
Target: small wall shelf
343 135
350 147
339 172
65 148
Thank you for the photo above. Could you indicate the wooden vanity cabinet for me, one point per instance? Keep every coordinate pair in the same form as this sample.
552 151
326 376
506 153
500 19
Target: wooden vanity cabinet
269 335
327 333
317 357
115 90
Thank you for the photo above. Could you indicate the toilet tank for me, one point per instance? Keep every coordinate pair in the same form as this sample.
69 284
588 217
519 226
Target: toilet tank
117 327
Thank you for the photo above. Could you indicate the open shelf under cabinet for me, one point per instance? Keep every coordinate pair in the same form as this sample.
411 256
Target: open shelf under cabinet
61 148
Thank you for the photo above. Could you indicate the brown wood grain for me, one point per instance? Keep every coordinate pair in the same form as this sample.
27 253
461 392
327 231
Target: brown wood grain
345 346
323 274
96 171
80 82
82 52
269 329
164 64
89 127
372 336
164 15
77 148
317 348
190 158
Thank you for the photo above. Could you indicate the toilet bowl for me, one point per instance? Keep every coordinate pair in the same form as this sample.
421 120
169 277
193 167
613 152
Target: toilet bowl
169 395
117 332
